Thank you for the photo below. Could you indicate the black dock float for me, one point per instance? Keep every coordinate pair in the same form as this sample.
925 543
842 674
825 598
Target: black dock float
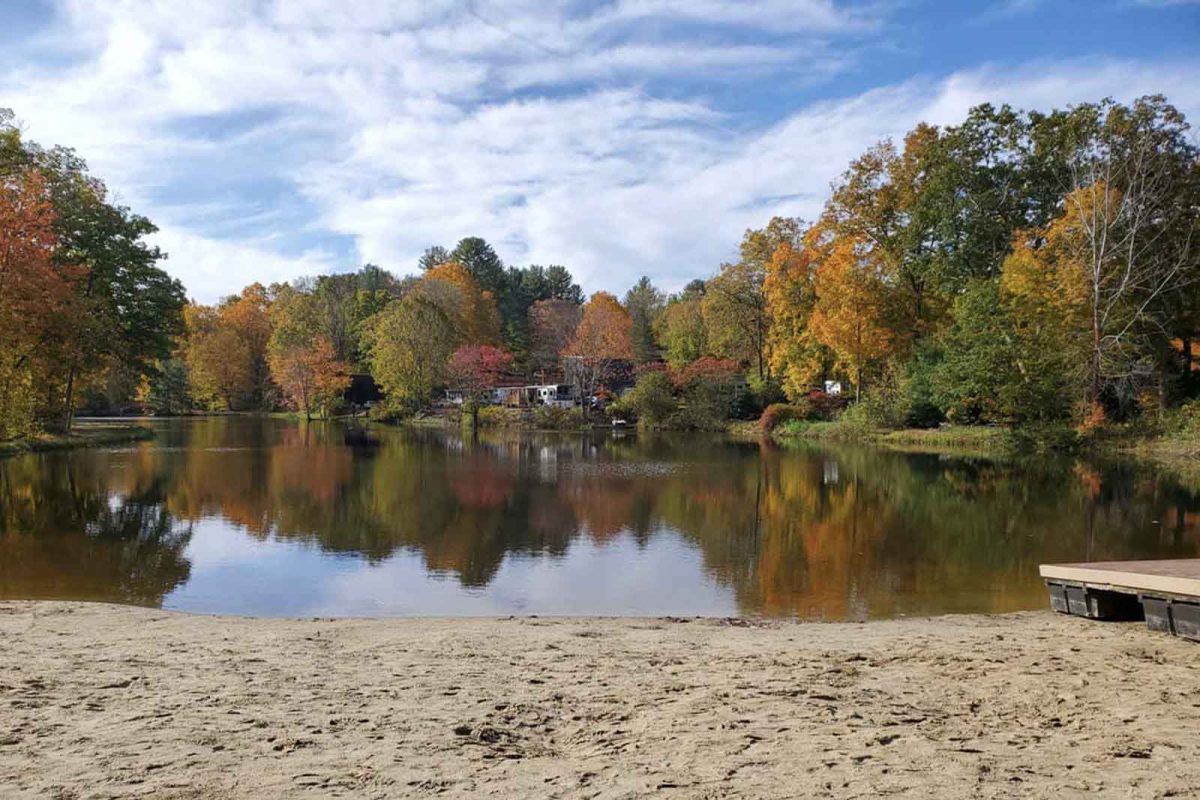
1164 593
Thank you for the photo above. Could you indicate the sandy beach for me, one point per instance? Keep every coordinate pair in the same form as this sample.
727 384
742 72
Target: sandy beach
101 701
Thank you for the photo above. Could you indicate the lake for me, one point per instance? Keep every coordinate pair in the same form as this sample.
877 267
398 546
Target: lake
273 517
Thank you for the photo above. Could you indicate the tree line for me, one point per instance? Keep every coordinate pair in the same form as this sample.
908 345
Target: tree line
1017 268
1020 267
84 304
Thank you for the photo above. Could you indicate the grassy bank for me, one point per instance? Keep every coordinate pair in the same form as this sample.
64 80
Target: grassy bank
1171 449
958 439
87 434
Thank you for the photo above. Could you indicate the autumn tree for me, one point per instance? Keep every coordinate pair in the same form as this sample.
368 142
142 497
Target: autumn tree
552 325
735 307
472 312
302 359
128 309
226 351
310 375
602 339
125 311
790 288
474 369
681 327
852 309
409 345
35 298
877 205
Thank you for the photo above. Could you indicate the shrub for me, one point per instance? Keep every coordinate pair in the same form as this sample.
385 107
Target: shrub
395 410
775 415
880 408
712 391
1184 420
651 400
494 416
554 418
818 405
914 386
707 405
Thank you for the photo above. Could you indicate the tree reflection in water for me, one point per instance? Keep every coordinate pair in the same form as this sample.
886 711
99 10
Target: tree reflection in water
75 528
806 531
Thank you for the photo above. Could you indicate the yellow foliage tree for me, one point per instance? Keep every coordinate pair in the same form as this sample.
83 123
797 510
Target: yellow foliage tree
790 290
472 312
852 308
226 351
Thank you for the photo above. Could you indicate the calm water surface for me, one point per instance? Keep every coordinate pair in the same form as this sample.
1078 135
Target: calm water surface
272 517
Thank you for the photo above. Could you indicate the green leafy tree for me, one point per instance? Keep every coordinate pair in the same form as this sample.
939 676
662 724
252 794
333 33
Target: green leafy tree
409 345
130 310
994 369
561 286
168 392
735 304
681 328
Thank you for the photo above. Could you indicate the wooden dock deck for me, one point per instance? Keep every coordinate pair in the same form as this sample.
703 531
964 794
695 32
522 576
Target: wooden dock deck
1164 593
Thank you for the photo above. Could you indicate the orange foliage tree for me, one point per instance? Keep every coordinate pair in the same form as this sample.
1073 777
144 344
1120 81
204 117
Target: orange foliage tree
471 311
226 350
35 298
604 337
310 375
851 311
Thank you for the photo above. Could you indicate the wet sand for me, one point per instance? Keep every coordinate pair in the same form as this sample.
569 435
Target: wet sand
102 701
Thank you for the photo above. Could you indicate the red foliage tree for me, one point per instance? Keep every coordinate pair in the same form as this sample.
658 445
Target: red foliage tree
474 369
713 370
36 310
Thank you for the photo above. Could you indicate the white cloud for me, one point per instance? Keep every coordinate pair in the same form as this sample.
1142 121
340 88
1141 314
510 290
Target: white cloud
247 134
219 267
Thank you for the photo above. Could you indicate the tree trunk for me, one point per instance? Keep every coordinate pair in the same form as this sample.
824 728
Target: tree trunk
69 399
1096 355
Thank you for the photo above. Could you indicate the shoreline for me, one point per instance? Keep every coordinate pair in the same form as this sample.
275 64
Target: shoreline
85 434
105 701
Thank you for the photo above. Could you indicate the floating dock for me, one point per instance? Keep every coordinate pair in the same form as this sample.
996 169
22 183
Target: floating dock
1166 594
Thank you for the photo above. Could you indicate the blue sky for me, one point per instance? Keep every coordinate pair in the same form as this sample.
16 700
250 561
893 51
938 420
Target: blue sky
275 139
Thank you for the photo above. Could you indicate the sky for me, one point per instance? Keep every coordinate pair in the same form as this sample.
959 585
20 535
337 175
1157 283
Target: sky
277 139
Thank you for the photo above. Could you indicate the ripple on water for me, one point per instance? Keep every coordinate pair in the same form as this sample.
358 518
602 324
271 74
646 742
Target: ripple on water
622 469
